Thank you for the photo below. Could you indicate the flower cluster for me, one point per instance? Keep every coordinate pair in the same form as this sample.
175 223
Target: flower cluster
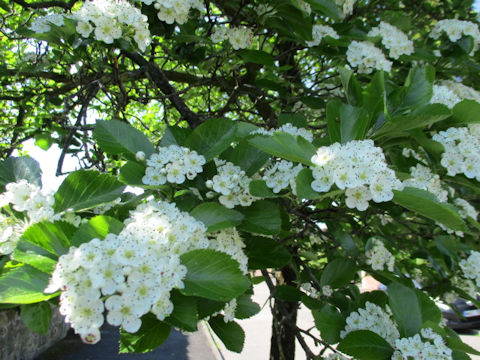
229 242
42 24
393 39
455 29
233 185
471 267
462 91
110 20
282 174
357 166
287 128
367 57
27 198
423 178
431 348
442 94
461 154
346 6
379 257
129 274
465 210
372 318
177 11
239 37
319 32
172 164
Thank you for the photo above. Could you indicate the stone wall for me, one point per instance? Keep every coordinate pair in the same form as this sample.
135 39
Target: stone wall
17 342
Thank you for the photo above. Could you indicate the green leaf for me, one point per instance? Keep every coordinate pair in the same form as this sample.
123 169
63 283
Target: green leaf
246 308
447 245
260 189
455 343
352 89
43 141
418 88
262 217
297 120
207 308
405 309
326 7
119 138
256 248
428 308
175 135
426 204
54 238
231 334
216 217
213 275
132 173
23 285
151 335
304 185
333 120
184 314
212 137
285 146
42 244
422 118
256 57
249 158
37 317
330 322
466 112
375 96
83 190
366 345
14 169
347 242
338 273
97 227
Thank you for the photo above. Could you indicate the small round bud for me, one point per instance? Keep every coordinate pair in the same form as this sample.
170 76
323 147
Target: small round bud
140 156
209 184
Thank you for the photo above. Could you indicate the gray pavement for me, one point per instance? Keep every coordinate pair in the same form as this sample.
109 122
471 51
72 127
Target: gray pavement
178 346
201 345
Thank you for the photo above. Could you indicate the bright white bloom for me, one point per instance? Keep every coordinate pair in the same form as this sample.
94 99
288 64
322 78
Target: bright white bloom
229 242
287 128
443 95
357 166
233 185
455 30
379 257
239 37
321 31
173 164
423 178
466 210
112 19
471 267
177 11
346 6
431 347
393 39
281 175
133 272
461 91
41 24
366 57
304 6
462 154
372 318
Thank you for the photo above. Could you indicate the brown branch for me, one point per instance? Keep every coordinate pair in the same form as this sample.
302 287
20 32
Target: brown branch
161 81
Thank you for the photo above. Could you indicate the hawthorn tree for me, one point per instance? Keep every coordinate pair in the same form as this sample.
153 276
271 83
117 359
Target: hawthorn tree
314 141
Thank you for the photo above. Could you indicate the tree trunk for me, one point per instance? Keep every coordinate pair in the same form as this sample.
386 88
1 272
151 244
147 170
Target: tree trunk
282 343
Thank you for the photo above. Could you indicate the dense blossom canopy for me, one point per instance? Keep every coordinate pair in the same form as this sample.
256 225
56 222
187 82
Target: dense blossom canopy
315 141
